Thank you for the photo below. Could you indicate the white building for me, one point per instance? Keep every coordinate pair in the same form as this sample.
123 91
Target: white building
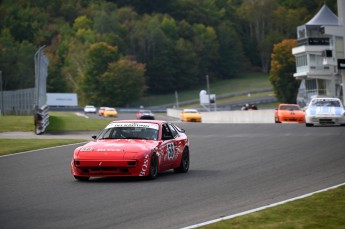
320 54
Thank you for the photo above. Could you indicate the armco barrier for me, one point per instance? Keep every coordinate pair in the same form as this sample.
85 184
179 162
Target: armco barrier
251 116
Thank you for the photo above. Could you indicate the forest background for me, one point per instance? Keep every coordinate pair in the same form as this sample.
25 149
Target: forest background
114 52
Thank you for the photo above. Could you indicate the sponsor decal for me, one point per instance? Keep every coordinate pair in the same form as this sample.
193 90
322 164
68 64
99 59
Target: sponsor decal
171 150
129 124
145 165
107 150
86 149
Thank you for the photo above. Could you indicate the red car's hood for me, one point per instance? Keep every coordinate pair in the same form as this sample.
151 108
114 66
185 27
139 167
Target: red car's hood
115 149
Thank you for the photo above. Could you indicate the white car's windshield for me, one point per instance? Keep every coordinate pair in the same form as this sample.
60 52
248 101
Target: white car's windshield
325 103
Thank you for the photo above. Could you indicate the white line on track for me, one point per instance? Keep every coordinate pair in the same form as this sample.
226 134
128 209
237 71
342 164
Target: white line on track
260 208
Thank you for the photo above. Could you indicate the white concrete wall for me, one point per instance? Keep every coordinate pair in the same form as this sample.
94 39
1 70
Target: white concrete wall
251 116
175 113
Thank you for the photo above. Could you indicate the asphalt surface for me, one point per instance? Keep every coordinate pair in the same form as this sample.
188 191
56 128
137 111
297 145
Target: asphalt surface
234 168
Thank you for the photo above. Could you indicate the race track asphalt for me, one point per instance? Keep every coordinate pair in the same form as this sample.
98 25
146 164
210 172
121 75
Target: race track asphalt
234 168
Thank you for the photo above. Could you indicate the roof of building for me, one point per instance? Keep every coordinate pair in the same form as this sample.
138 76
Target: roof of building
325 16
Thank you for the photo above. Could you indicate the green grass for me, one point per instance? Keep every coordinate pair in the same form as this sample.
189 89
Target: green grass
58 121
16 123
248 82
68 121
10 146
238 99
322 210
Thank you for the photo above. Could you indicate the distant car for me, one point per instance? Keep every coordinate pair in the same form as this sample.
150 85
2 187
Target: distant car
145 114
101 111
110 112
247 107
90 109
132 148
325 111
190 115
288 113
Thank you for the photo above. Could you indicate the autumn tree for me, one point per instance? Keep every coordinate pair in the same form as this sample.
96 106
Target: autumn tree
285 86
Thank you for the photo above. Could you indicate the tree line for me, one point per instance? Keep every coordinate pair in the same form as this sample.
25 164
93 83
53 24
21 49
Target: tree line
114 52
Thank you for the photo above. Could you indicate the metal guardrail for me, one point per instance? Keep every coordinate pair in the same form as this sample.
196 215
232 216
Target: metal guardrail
41 119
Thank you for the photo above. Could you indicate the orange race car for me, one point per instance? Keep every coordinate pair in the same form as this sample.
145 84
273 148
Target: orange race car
288 113
190 115
101 111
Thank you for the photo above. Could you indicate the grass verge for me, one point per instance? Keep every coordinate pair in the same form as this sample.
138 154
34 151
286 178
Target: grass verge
321 210
10 146
59 121
16 123
68 121
252 81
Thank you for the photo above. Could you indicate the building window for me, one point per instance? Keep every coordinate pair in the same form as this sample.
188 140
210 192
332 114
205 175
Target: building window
301 61
339 47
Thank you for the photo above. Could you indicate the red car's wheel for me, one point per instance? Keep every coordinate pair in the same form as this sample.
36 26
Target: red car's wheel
153 167
81 178
184 164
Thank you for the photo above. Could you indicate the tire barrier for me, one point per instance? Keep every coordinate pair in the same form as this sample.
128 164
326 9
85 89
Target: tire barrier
41 119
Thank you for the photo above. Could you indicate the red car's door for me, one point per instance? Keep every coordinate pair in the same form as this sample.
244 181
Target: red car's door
170 146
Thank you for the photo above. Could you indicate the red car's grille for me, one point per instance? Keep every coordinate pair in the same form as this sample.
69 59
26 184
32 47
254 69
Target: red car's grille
104 170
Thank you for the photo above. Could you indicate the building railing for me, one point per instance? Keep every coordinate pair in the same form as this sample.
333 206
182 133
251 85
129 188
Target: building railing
313 41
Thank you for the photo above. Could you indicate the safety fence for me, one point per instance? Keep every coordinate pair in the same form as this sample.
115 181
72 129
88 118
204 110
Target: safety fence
31 101
18 102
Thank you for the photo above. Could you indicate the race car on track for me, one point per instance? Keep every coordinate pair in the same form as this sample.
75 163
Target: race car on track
288 113
133 148
145 114
101 111
110 112
325 111
190 115
90 109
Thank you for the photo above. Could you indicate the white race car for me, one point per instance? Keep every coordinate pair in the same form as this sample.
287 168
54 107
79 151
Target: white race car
325 111
90 109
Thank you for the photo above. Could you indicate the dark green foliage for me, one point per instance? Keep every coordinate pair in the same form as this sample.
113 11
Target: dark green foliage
122 83
99 56
178 42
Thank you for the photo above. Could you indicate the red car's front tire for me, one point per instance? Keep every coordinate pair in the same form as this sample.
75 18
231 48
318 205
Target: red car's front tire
184 164
153 167
81 178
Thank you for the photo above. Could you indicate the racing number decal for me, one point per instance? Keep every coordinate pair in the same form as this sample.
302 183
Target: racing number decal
171 150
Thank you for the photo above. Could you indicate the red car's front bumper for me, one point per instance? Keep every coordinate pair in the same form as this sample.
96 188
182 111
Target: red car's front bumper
96 168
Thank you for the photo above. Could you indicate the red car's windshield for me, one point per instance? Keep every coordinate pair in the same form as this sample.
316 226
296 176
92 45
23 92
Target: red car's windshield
148 131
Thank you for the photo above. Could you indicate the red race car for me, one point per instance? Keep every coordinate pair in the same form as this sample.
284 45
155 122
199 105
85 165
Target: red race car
133 148
288 113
